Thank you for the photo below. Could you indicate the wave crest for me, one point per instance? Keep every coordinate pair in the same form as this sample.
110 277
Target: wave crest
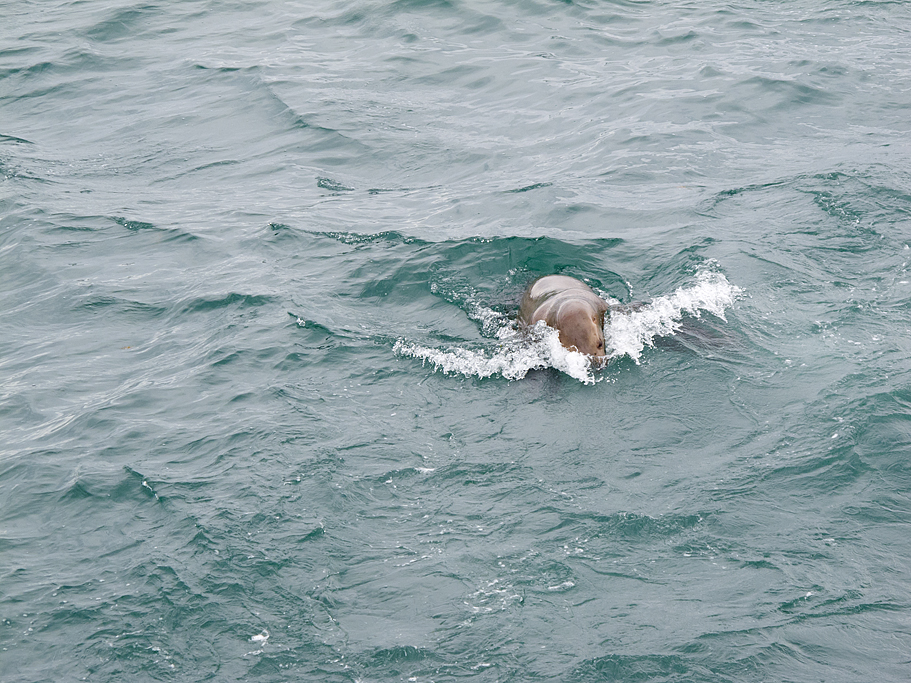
627 333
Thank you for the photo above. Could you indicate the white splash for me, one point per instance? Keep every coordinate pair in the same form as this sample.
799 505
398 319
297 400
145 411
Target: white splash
626 334
260 639
514 357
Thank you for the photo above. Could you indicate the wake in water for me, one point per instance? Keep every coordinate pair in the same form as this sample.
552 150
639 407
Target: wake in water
627 332
516 354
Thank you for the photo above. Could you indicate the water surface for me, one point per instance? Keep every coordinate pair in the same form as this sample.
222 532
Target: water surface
265 414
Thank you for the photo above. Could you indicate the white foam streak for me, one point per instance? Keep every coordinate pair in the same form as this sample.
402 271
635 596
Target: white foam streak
626 334
513 359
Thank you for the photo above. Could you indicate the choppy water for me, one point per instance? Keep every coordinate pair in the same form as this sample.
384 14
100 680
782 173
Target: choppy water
264 412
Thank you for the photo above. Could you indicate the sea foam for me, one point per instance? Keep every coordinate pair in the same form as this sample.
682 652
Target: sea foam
627 333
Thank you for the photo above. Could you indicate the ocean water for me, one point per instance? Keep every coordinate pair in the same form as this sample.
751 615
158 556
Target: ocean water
265 412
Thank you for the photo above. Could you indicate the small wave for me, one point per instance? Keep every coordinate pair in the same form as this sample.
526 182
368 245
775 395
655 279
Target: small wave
626 333
493 323
515 356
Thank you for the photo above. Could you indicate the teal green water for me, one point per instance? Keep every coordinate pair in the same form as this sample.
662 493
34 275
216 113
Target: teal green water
264 412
